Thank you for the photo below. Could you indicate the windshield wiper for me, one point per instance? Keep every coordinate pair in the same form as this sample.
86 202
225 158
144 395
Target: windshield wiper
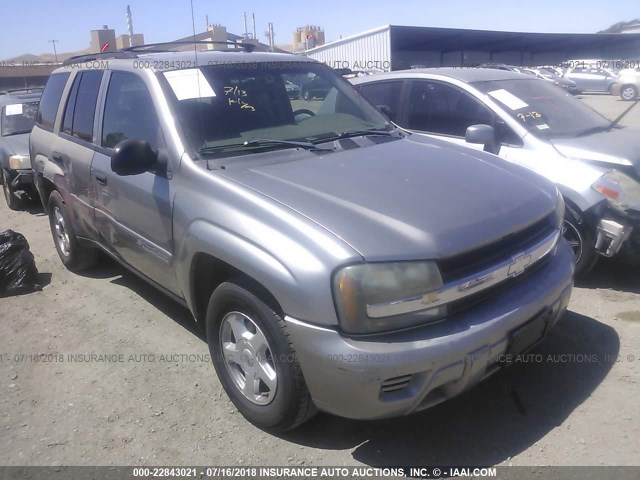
358 133
17 133
274 141
591 130
259 142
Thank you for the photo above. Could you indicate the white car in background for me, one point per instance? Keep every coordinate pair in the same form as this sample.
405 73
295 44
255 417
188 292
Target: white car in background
627 84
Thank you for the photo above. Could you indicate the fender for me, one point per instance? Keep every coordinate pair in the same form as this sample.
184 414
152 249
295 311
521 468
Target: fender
49 170
202 237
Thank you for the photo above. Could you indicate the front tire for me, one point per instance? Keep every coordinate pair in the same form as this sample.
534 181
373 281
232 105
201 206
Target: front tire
13 202
628 93
582 242
254 359
73 255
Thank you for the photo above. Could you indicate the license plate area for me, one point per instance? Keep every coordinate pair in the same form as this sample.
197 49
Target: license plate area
529 335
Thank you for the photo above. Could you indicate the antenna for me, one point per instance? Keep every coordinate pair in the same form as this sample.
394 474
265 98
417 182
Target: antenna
244 19
255 36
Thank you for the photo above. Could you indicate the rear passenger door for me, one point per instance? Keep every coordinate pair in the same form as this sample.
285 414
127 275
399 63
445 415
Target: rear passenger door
74 147
133 213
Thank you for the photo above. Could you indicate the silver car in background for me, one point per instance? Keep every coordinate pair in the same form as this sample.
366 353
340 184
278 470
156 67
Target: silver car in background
591 77
594 162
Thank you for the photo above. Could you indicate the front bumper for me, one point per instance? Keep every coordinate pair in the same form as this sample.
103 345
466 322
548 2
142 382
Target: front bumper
19 179
403 372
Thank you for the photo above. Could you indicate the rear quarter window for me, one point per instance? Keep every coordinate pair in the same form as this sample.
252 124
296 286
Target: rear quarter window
51 99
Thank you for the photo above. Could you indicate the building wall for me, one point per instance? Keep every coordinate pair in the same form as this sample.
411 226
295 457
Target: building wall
100 37
364 52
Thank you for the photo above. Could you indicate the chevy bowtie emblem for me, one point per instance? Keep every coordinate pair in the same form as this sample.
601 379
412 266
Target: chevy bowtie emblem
519 265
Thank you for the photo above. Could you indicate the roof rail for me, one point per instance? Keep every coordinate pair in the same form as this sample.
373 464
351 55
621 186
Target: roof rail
96 56
150 47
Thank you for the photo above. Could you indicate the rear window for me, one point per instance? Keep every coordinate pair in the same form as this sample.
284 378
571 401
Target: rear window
50 100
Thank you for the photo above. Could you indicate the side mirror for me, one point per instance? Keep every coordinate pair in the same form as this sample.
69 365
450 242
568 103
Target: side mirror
483 134
133 157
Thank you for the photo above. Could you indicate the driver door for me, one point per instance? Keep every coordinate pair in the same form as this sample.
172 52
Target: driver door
133 214
444 111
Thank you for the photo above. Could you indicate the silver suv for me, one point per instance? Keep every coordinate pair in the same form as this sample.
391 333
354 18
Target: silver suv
334 263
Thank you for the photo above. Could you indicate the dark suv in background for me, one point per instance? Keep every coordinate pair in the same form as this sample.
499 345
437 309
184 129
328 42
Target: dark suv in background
18 110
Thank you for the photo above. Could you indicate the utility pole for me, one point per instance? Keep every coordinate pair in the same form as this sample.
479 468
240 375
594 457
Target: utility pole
55 52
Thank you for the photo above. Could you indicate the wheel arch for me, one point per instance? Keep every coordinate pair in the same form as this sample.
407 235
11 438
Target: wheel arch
208 272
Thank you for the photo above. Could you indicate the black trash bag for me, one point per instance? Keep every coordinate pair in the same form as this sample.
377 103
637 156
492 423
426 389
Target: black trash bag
18 272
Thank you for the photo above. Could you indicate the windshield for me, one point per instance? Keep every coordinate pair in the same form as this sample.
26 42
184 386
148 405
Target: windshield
544 109
226 109
18 118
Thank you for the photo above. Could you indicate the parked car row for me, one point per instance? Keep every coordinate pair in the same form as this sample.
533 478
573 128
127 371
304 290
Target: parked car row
335 261
584 77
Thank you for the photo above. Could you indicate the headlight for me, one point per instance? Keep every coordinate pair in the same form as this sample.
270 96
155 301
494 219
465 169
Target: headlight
19 162
621 190
357 287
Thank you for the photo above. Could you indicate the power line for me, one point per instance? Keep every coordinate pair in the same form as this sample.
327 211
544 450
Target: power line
55 52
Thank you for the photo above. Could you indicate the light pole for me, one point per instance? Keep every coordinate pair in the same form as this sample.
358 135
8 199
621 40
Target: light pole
55 52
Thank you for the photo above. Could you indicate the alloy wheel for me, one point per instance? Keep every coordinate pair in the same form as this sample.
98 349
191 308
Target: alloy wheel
60 232
628 93
574 238
248 358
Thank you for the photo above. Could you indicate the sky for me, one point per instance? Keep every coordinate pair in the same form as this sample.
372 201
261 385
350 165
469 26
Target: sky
28 25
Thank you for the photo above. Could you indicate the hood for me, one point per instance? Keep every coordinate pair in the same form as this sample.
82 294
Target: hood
620 146
17 144
406 199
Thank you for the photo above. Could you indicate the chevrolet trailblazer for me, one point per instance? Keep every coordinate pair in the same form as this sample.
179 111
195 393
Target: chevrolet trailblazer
334 263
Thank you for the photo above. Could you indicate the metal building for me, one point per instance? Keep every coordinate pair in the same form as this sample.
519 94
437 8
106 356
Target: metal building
394 47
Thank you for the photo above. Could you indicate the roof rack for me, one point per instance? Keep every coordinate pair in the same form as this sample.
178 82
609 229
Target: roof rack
151 47
96 56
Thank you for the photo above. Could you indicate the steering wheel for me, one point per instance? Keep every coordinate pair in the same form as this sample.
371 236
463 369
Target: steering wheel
303 111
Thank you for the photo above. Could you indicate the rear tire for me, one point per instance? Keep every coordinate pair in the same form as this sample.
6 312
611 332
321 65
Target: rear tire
13 202
255 360
582 242
74 256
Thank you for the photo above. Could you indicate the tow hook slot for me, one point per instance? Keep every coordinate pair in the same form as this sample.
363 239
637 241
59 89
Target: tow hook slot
611 236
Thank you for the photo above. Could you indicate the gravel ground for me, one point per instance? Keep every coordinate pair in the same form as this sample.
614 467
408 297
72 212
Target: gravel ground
153 398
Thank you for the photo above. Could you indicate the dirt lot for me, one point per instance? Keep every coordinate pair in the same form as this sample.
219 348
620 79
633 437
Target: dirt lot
153 398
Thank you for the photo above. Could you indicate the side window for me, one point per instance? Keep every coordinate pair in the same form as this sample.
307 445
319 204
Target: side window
437 108
50 100
129 112
385 96
67 119
505 134
85 108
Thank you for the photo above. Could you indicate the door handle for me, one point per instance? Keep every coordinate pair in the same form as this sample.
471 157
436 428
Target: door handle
101 179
